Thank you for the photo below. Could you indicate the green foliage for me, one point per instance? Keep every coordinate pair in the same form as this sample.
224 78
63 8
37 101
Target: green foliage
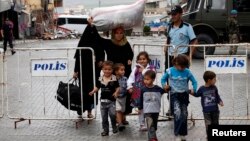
146 30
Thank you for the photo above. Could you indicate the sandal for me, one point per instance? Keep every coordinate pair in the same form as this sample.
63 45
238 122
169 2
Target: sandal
90 116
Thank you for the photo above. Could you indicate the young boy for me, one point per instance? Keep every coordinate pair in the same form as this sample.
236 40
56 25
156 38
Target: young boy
109 92
151 103
119 70
210 99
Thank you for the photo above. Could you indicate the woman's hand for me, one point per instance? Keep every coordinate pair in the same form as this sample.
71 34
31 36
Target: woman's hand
90 20
129 62
100 64
75 75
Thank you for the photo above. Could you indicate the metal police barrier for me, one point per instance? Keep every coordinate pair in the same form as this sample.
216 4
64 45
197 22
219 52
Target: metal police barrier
232 79
1 83
33 75
234 67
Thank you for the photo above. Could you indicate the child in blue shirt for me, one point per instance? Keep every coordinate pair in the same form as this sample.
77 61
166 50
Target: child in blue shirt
210 99
179 76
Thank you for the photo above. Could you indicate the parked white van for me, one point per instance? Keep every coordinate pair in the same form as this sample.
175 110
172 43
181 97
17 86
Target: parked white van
76 23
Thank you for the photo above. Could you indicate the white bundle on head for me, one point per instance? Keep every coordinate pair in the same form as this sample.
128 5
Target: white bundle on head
128 16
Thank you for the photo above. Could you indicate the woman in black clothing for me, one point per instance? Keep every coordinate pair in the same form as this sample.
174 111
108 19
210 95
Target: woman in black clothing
90 39
118 50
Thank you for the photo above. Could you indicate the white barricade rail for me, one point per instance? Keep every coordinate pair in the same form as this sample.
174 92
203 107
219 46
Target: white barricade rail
32 96
232 84
1 83
232 81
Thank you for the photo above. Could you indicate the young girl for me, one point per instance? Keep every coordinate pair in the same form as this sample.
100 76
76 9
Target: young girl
109 92
119 70
135 83
178 76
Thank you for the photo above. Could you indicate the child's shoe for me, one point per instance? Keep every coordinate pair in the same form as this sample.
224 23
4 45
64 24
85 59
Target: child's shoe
105 133
183 138
13 52
125 122
115 130
121 127
79 116
143 128
177 138
154 139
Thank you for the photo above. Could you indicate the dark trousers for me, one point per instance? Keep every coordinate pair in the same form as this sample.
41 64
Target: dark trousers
180 103
108 109
151 121
171 100
5 41
183 97
211 118
170 58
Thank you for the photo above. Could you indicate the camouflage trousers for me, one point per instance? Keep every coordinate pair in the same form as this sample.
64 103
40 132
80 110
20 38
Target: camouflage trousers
233 39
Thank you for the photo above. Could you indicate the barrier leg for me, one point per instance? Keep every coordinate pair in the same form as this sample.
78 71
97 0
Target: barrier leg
2 82
233 93
78 122
20 120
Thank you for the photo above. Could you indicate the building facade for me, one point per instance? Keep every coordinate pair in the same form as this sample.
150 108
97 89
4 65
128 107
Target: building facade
30 17
154 7
38 17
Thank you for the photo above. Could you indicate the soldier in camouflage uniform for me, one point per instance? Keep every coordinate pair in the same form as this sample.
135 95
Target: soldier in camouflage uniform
233 31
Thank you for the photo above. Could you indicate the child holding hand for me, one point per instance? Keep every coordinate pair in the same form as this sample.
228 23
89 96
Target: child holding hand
109 92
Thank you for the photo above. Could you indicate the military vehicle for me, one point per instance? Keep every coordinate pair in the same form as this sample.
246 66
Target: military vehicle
209 18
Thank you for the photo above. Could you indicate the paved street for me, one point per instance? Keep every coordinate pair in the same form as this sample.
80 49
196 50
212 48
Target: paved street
33 97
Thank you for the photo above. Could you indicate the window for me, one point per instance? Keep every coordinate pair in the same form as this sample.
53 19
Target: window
61 21
193 6
77 21
197 4
242 5
218 4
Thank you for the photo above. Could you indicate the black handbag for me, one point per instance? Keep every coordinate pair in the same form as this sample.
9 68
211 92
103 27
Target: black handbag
73 91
